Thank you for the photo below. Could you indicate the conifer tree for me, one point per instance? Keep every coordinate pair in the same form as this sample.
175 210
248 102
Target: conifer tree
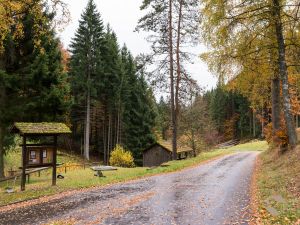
111 93
139 116
163 118
86 64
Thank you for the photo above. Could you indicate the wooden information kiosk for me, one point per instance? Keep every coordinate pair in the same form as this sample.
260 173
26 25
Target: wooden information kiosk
39 155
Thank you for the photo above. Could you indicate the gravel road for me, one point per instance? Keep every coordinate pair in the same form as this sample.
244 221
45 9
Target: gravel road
210 194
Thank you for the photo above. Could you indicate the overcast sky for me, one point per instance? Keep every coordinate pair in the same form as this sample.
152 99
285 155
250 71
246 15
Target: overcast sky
123 15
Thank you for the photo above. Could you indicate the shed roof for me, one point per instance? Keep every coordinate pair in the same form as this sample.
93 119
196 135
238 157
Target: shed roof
41 128
168 146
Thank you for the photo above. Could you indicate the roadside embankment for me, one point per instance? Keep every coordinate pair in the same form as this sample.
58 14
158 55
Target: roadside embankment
276 187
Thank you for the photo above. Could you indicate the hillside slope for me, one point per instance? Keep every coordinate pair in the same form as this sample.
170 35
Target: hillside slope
278 187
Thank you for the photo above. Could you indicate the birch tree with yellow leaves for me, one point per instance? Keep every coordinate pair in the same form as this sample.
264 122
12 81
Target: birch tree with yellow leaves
254 37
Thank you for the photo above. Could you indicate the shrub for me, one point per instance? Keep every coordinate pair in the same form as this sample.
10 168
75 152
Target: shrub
120 157
280 138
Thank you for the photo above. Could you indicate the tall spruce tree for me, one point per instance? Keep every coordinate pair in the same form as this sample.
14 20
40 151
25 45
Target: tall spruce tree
107 76
86 65
111 93
139 115
139 118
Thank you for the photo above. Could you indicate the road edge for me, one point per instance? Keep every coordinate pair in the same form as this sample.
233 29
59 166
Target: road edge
254 198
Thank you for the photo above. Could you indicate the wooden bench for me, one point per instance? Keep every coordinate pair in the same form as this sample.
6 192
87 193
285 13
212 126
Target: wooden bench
99 169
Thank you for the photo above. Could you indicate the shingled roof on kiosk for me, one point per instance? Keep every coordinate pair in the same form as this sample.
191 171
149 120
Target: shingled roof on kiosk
44 128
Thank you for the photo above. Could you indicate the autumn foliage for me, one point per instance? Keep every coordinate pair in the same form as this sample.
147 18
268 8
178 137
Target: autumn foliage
280 137
120 157
12 12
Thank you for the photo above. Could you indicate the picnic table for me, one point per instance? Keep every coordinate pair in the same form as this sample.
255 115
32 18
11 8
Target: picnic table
99 169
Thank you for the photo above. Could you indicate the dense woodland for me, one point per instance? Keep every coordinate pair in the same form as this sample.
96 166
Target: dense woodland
108 97
112 103
97 87
253 49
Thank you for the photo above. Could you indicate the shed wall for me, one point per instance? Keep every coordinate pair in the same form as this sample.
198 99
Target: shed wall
155 156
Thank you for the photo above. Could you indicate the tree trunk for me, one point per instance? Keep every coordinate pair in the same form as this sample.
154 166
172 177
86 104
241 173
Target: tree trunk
111 134
2 104
118 127
87 126
250 123
1 152
275 105
262 122
193 143
289 122
104 140
120 130
173 112
254 124
108 138
178 78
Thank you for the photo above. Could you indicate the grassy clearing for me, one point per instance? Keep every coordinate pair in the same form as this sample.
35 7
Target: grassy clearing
251 146
84 178
279 187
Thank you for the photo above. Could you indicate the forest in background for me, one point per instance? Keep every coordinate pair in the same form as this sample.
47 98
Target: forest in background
252 47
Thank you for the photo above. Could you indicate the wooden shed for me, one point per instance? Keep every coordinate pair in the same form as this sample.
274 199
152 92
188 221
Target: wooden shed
161 152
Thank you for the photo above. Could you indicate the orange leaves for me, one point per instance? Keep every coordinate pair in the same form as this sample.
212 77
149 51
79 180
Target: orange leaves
11 15
65 57
268 132
253 82
230 127
7 9
280 137
294 90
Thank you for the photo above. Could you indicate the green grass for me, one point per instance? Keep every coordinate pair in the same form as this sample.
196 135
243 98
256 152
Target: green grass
279 175
251 146
13 159
84 178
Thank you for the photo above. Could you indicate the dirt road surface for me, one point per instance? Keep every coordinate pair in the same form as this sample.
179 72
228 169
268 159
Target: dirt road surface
210 194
